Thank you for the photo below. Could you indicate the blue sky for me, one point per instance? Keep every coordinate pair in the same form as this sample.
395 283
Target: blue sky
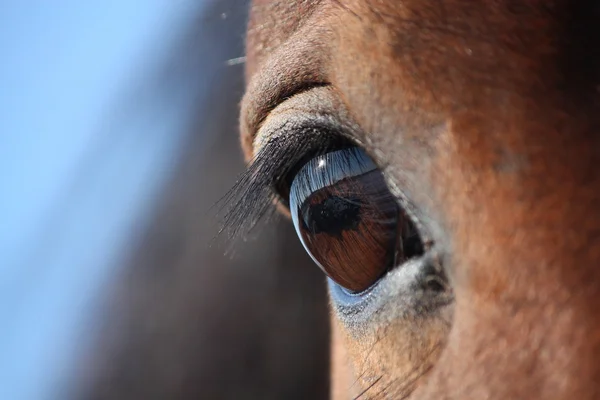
76 171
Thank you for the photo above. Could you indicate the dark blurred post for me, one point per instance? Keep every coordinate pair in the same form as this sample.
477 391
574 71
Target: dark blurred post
183 321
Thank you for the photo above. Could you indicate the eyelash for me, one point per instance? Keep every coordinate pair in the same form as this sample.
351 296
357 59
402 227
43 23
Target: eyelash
268 176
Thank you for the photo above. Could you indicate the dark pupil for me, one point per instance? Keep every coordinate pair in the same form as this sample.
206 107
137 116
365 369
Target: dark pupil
349 221
333 215
351 228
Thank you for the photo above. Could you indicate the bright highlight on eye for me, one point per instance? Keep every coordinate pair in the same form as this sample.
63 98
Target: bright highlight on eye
347 219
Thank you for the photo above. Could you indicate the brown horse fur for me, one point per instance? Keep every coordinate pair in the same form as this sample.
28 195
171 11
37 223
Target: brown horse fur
483 115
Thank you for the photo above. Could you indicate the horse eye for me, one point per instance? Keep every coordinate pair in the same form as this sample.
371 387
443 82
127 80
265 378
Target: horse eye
347 219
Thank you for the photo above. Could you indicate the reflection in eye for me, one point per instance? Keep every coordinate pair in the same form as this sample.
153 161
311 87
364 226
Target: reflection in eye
348 220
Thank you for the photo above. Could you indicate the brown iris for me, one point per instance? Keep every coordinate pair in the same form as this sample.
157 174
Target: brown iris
348 220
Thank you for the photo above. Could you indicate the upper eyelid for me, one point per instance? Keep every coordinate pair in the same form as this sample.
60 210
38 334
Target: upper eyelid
293 126
318 106
262 99
253 194
306 136
282 96
319 113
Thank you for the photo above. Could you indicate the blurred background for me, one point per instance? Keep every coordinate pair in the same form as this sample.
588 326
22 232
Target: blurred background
118 134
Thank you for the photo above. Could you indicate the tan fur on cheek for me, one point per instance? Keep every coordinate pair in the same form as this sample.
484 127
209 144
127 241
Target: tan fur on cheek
342 375
387 357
